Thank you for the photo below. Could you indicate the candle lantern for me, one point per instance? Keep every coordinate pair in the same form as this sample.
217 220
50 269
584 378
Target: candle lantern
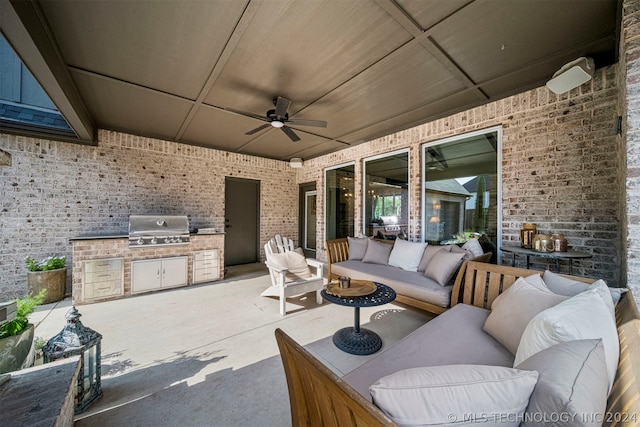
75 339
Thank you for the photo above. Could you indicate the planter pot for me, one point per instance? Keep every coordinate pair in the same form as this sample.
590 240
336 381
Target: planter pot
17 352
54 281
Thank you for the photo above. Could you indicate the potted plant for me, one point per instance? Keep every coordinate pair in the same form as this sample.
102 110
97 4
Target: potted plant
16 335
49 274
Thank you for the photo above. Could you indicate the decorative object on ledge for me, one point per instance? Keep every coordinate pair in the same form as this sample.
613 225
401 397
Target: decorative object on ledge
76 339
526 235
5 158
542 243
559 243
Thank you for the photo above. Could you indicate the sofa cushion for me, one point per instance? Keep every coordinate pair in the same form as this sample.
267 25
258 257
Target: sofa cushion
572 382
455 394
357 247
514 308
466 252
434 344
409 283
295 262
584 316
443 266
377 252
429 252
406 255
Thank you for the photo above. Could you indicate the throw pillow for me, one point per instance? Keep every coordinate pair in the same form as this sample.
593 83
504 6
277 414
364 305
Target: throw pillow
455 394
295 262
572 381
584 316
466 252
429 252
514 308
474 246
406 255
377 252
357 247
443 266
565 286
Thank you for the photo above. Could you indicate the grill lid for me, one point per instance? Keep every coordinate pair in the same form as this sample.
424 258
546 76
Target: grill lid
158 225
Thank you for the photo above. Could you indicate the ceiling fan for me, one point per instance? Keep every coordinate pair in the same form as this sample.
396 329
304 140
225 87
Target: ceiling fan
279 118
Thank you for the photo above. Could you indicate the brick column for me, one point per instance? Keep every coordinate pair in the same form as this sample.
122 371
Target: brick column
630 77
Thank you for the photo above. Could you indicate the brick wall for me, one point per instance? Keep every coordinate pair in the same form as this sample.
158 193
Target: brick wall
54 191
560 167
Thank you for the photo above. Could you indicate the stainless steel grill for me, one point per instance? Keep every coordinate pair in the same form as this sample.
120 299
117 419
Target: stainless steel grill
158 230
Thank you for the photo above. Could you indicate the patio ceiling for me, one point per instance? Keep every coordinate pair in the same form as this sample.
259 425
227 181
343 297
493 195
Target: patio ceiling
173 69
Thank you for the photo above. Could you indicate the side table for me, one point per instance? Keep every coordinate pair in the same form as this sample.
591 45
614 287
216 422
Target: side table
357 340
570 255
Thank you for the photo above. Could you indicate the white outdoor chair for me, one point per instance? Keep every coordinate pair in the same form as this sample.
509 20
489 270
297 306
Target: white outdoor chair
281 286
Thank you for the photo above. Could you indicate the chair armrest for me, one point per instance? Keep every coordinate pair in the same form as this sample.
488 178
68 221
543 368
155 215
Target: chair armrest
318 265
276 267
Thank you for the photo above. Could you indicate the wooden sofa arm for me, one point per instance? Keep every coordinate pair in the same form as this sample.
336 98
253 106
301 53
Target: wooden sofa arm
318 397
337 251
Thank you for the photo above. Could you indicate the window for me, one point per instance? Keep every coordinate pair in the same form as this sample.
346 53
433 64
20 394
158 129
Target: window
339 206
386 195
461 187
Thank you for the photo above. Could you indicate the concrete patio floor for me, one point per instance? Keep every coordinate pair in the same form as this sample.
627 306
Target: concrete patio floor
205 355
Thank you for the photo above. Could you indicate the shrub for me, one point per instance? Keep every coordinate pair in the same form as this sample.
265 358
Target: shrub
50 263
24 307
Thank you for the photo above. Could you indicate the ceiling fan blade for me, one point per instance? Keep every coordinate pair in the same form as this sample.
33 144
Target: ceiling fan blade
244 113
303 122
258 129
282 105
290 133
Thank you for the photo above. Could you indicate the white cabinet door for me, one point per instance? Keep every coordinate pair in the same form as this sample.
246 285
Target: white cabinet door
174 272
146 275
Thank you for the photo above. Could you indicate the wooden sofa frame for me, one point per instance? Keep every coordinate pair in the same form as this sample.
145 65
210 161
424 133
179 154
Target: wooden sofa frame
338 251
318 397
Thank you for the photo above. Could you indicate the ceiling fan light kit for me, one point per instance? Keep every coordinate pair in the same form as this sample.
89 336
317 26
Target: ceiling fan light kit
572 75
278 118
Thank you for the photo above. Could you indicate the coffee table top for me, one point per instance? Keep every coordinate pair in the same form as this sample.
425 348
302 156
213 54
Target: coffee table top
382 295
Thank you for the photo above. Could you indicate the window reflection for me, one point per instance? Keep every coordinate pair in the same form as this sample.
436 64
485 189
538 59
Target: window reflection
339 184
386 212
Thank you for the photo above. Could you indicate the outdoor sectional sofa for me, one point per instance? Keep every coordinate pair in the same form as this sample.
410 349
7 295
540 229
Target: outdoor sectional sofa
572 376
420 275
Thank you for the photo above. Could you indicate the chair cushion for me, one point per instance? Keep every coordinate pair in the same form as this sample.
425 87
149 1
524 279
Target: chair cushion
474 246
584 316
572 383
455 394
443 266
377 252
357 247
514 308
406 255
295 262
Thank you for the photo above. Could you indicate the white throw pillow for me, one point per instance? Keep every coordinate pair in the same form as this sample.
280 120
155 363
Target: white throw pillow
474 246
514 308
295 262
565 286
455 394
406 255
357 247
443 266
584 316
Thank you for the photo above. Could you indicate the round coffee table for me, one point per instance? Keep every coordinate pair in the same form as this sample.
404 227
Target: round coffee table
357 340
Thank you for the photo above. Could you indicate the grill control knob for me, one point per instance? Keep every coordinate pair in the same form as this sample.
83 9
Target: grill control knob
140 241
154 241
178 239
167 240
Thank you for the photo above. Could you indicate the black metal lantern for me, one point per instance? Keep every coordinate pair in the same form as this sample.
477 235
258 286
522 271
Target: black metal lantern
75 339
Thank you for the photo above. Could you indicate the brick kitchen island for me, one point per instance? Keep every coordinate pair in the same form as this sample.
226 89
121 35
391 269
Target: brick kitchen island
103 266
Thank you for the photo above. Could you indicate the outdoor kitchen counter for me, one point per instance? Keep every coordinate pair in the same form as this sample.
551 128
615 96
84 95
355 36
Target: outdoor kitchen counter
114 250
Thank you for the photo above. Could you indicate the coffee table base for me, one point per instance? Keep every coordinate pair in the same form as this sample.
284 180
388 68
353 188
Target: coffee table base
360 343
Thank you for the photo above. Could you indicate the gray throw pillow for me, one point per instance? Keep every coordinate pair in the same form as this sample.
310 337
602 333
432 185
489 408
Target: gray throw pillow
572 383
377 252
443 266
428 253
357 247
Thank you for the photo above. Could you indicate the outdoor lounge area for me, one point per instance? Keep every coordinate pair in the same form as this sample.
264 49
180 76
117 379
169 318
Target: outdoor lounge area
251 201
